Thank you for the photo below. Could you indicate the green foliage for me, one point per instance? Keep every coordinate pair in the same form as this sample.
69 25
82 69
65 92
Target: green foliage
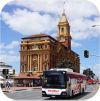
89 73
66 64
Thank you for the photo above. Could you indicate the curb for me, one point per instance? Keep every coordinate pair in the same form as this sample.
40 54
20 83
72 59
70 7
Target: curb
20 90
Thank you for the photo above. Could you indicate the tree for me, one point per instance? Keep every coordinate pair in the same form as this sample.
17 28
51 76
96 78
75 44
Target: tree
66 64
89 73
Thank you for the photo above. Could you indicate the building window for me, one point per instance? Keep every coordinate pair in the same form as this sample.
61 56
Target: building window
46 57
35 57
41 46
23 47
62 38
28 47
35 38
35 47
53 47
44 38
23 68
34 67
45 46
45 67
62 29
23 58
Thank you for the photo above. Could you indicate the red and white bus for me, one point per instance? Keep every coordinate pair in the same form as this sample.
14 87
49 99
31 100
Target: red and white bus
62 83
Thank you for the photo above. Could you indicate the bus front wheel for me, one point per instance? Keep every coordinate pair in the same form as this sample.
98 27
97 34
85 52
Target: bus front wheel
71 96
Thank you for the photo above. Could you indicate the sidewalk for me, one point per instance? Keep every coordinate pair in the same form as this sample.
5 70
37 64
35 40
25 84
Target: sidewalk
20 88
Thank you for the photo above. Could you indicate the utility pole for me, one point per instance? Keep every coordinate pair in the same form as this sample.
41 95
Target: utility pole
5 79
13 78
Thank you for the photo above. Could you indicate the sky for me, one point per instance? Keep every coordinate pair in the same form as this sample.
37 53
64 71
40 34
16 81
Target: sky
21 18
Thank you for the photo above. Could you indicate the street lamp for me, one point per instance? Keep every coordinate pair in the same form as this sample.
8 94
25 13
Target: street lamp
95 25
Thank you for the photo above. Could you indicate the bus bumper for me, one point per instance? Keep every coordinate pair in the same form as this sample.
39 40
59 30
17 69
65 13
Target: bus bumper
63 94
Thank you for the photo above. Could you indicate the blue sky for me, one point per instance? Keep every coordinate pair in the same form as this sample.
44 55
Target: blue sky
27 17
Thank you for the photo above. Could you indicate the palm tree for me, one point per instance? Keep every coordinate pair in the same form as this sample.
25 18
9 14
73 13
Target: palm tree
66 64
89 73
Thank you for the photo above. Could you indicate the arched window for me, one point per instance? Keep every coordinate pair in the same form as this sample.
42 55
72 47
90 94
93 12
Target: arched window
35 47
46 57
34 67
23 58
24 68
45 67
62 29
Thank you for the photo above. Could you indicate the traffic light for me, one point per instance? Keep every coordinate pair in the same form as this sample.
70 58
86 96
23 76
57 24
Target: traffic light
86 54
5 71
13 71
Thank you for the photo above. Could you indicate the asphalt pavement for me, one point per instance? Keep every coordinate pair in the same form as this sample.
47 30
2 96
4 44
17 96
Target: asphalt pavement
36 94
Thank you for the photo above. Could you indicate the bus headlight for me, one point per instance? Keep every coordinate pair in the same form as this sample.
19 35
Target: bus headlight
64 93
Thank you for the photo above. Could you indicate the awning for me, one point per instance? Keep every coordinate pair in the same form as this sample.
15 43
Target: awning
27 76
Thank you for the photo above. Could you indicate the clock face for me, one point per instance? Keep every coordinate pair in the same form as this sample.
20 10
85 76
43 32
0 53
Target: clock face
62 38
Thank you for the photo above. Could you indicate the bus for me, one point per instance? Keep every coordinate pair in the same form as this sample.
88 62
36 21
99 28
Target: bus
62 83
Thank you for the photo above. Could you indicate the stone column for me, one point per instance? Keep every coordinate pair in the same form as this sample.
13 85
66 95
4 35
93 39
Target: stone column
28 63
38 63
49 62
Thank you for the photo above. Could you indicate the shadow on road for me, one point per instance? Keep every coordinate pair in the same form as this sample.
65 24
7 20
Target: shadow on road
75 97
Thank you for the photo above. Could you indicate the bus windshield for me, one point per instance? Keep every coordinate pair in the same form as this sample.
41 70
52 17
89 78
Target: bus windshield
54 79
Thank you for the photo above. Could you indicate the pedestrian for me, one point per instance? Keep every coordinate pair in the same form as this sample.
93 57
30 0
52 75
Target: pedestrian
38 83
8 86
31 84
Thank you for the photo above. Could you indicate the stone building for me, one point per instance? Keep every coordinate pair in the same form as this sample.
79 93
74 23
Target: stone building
41 52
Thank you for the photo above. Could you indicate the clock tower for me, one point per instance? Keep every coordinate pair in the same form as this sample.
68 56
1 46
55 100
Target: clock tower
64 32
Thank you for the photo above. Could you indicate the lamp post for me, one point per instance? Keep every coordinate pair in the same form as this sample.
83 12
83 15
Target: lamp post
5 79
95 25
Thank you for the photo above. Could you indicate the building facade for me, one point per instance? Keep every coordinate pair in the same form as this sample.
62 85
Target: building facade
42 52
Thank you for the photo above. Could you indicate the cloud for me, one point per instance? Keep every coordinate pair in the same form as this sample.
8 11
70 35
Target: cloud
1 45
75 44
10 46
97 66
9 58
53 35
94 68
73 8
11 52
2 51
29 23
43 16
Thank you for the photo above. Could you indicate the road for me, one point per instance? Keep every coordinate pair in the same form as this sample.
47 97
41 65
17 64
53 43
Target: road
36 94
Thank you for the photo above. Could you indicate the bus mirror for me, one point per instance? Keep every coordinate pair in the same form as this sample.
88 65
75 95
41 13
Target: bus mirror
67 78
